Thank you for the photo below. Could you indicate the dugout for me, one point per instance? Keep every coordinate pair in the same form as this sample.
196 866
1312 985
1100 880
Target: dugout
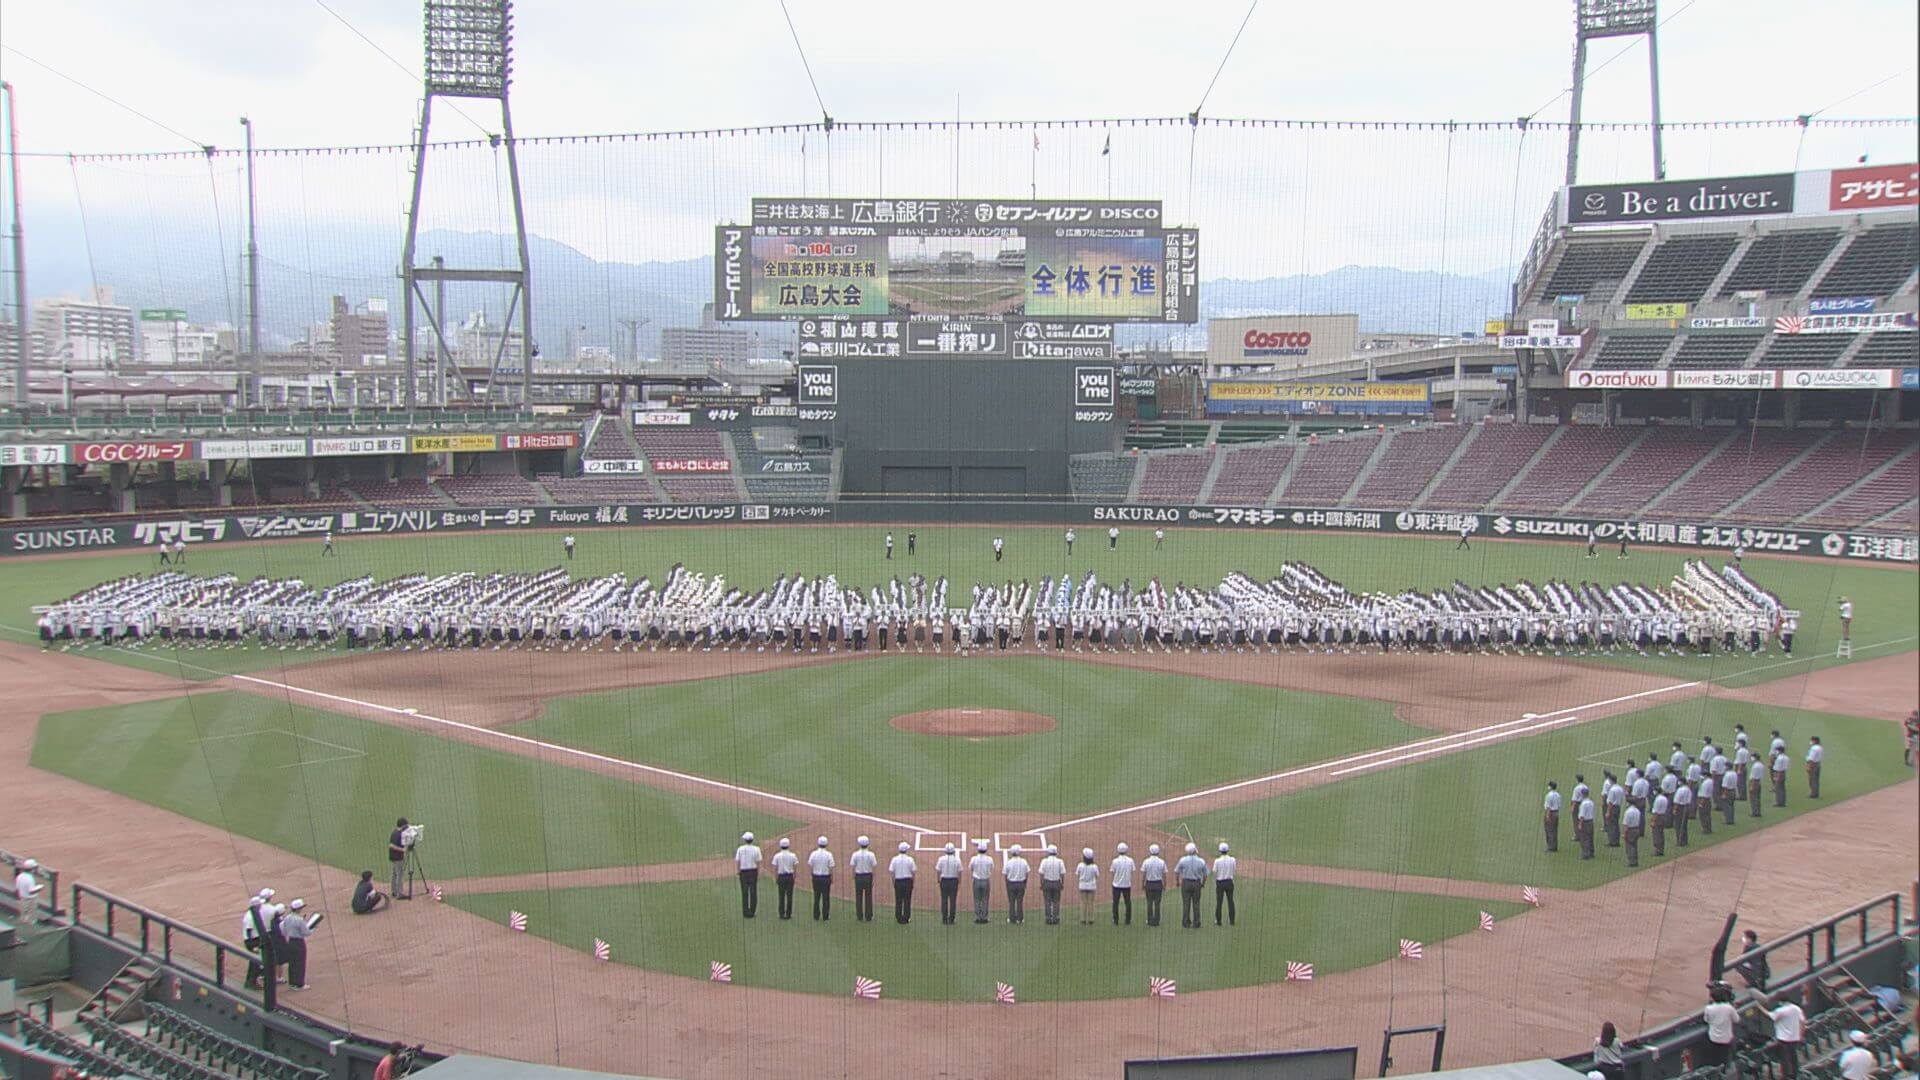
958 428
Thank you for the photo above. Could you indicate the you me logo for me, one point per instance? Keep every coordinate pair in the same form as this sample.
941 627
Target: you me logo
819 384
1093 387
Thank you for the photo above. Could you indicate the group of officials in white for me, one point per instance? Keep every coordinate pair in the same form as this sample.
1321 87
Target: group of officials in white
1189 875
1696 612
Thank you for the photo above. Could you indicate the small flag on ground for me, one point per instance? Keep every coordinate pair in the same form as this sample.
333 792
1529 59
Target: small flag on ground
517 920
1411 949
602 950
1159 987
719 972
865 987
1003 993
438 895
1530 894
1299 972
1486 922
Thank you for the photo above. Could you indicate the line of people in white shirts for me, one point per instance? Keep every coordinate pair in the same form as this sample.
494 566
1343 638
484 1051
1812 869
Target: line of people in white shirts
1189 874
289 927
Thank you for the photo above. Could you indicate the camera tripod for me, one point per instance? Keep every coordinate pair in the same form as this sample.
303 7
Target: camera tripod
416 869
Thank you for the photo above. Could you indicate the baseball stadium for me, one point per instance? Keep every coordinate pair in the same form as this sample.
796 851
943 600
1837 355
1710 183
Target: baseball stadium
821 597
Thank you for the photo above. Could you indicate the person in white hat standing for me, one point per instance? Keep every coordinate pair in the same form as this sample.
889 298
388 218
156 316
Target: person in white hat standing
1153 882
1223 868
785 864
1087 875
1016 870
1053 878
1191 870
294 931
947 869
820 865
903 868
746 859
980 868
1120 877
1858 1062
26 885
252 922
862 862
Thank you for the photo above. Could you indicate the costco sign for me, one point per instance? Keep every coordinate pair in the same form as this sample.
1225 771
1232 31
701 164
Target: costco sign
1277 342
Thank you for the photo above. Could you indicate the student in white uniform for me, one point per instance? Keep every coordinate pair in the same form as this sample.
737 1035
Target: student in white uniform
1858 1062
1087 872
820 866
1113 538
1153 880
1053 878
947 868
903 868
1815 755
1120 879
294 931
1191 871
746 859
980 867
1223 868
785 864
1016 872
999 548
862 862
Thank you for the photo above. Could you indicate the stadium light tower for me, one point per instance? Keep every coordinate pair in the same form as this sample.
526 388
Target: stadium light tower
469 47
1597 19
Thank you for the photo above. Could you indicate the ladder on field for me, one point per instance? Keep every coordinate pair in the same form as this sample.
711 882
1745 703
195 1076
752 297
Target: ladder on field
1845 649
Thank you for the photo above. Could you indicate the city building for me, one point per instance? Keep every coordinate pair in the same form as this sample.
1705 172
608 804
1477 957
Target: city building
90 332
167 338
707 343
360 333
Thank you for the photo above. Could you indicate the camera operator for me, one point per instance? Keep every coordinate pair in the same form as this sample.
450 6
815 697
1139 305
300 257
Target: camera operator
397 858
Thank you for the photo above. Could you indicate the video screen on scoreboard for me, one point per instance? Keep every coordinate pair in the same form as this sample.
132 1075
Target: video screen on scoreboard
1093 261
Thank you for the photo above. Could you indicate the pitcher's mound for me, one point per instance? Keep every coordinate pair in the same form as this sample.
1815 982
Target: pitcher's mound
973 723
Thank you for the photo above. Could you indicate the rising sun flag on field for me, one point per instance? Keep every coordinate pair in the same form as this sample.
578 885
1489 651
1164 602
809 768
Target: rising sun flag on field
719 972
864 987
1411 949
1530 894
517 920
1486 922
602 950
1160 988
1002 993
1299 972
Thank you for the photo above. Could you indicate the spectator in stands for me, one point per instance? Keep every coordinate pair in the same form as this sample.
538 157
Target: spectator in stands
366 898
1858 1062
1789 1023
26 885
1609 1053
1756 971
390 1064
1721 1018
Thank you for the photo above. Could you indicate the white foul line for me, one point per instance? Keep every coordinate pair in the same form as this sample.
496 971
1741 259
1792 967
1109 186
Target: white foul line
589 755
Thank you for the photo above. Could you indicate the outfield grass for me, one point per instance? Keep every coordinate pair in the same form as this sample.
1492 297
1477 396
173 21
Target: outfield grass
681 928
329 787
823 732
1887 598
1476 815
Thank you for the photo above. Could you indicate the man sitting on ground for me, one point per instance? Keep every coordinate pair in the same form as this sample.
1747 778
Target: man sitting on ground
366 898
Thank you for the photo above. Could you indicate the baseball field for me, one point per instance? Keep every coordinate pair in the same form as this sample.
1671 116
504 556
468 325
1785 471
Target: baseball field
1371 799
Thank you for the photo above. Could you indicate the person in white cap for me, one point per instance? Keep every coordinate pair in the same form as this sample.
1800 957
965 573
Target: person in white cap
980 868
746 859
294 931
820 865
903 868
785 864
1858 1061
1191 871
1789 1028
862 862
1153 881
1016 870
26 884
253 922
1088 875
1053 878
1121 879
947 869
1223 868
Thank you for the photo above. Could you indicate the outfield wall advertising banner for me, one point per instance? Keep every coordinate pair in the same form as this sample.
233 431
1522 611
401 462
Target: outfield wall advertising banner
1860 546
362 446
1680 200
114 453
662 418
33 453
1838 379
1319 399
1885 321
956 259
1622 379
455 444
1732 322
613 466
692 465
1874 187
1840 305
542 440
241 449
1731 379
1656 311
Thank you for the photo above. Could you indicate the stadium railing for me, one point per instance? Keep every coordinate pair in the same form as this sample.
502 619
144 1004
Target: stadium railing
50 895
155 935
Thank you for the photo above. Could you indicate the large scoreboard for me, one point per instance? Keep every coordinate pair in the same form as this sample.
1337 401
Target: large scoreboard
944 277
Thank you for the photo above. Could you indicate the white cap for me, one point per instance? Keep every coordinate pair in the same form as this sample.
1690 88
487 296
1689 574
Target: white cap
905 847
1121 848
1596 1075
1191 848
1053 849
297 904
785 843
1086 853
1153 849
822 842
980 844
1858 1038
949 847
862 841
746 838
266 894
1223 847
255 902
29 864
1014 850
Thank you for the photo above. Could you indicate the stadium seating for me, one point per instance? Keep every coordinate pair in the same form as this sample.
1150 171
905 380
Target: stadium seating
1716 350
1496 454
700 489
1877 496
1101 477
1679 270
613 440
1780 263
599 489
789 487
1886 350
1586 264
1248 474
1835 465
1328 469
1875 264
408 491
1409 464
680 442
490 489
1175 477
1568 465
1804 350
1736 469
1630 351
188 1038
1663 456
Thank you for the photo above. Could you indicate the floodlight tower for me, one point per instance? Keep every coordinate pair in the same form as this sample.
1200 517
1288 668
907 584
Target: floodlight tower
469 47
1597 19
